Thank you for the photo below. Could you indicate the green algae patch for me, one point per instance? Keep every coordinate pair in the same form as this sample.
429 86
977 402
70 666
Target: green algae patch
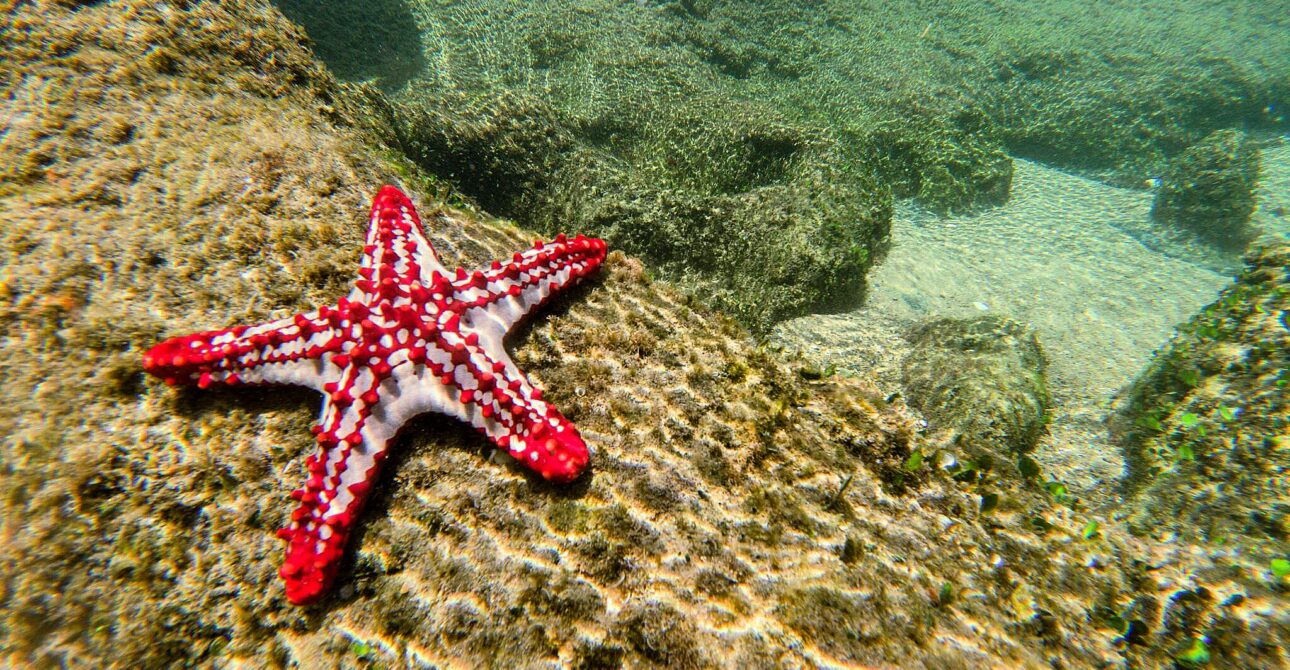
1203 427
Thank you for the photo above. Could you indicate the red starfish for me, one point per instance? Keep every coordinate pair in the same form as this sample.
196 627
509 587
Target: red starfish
408 339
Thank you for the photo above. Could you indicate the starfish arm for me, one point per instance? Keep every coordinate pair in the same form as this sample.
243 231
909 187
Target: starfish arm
472 378
286 351
504 294
408 339
397 253
352 438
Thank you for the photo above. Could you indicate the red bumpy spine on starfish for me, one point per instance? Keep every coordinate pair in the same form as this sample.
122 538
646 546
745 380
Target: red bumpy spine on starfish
410 338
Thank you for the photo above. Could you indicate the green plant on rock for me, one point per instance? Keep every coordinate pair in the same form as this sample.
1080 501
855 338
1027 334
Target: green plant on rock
362 651
1194 654
915 461
1058 491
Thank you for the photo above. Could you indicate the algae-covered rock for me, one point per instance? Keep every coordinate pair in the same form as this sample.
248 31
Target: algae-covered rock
375 39
950 164
1209 189
1122 109
983 378
759 217
1206 428
671 116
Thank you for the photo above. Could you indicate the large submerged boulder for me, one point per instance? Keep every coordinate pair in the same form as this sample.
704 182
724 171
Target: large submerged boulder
176 166
950 162
757 216
1209 190
982 378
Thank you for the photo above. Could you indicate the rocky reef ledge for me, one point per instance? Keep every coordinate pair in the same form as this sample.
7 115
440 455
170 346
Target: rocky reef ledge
167 166
1207 425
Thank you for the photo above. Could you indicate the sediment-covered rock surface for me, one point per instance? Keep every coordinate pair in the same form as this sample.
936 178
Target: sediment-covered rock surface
1209 189
983 379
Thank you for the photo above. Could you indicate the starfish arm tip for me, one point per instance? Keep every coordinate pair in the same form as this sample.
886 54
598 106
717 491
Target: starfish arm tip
560 457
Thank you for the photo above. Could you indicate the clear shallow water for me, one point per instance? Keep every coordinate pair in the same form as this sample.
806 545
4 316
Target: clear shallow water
1062 256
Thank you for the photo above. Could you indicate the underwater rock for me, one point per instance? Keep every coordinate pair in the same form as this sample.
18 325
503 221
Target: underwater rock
667 116
950 161
1206 427
982 377
375 40
755 216
1209 190
171 166
1113 112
